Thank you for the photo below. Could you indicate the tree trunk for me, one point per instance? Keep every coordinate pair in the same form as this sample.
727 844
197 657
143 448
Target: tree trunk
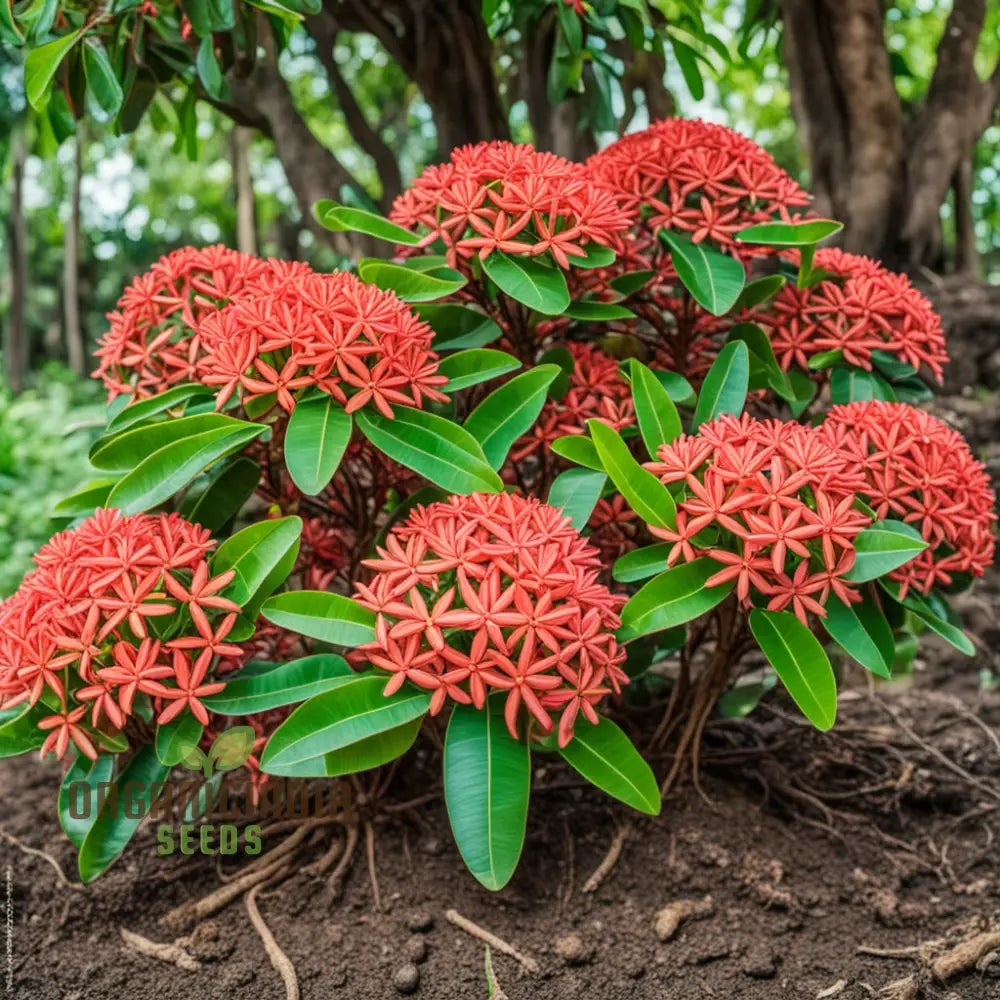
246 208
76 350
16 334
966 251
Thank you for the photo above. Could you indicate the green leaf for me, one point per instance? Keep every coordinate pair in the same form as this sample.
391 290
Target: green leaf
207 16
19 730
446 454
232 748
578 448
509 411
339 718
605 756
800 662
209 70
596 256
254 552
409 285
318 434
597 312
176 738
743 697
92 773
920 607
538 286
319 615
848 385
41 64
629 283
120 815
790 234
659 421
804 390
883 547
714 279
224 493
725 387
284 684
678 388
563 357
457 327
9 30
641 564
862 631
575 492
487 782
86 500
645 494
344 219
759 291
673 598
101 79
145 409
762 352
474 366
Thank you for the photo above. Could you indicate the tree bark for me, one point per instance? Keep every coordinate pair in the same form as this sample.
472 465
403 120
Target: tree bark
966 251
16 335
76 350
246 208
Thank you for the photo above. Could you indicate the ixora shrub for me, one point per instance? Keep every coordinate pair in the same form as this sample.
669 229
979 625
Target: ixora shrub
698 435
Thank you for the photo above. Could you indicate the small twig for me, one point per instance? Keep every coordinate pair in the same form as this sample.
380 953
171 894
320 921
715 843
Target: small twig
370 850
420 800
34 852
281 962
497 944
911 952
172 953
602 871
345 860
322 864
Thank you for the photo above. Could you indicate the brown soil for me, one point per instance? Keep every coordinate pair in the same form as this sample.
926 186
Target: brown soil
880 835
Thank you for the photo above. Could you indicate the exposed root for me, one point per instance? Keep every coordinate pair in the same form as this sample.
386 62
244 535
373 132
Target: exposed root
34 852
370 851
322 864
610 859
337 878
965 955
670 918
497 944
281 962
172 953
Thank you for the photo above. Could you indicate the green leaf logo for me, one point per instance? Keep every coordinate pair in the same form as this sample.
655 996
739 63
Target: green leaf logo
230 750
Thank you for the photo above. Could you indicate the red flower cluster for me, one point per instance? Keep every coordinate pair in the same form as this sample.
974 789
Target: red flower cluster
921 471
495 592
153 341
332 332
773 503
507 197
861 307
117 608
596 390
698 178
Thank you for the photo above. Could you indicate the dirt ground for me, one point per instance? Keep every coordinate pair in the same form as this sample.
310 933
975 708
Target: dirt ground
817 867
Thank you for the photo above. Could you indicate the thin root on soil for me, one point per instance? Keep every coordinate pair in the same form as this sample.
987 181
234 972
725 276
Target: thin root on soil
610 859
172 953
281 962
498 944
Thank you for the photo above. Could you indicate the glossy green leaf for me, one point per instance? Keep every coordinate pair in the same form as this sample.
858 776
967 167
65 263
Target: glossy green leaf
119 816
531 282
725 387
659 421
848 385
862 632
209 70
673 598
457 327
138 411
510 411
597 312
284 684
446 454
883 547
19 730
575 492
86 500
605 756
645 494
800 662
345 219
759 290
629 283
83 772
176 738
102 82
641 564
372 751
715 280
679 389
409 285
596 256
254 552
208 16
922 610
743 697
762 352
476 365
41 64
335 720
487 782
578 448
319 615
790 234
223 494
232 748
318 434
